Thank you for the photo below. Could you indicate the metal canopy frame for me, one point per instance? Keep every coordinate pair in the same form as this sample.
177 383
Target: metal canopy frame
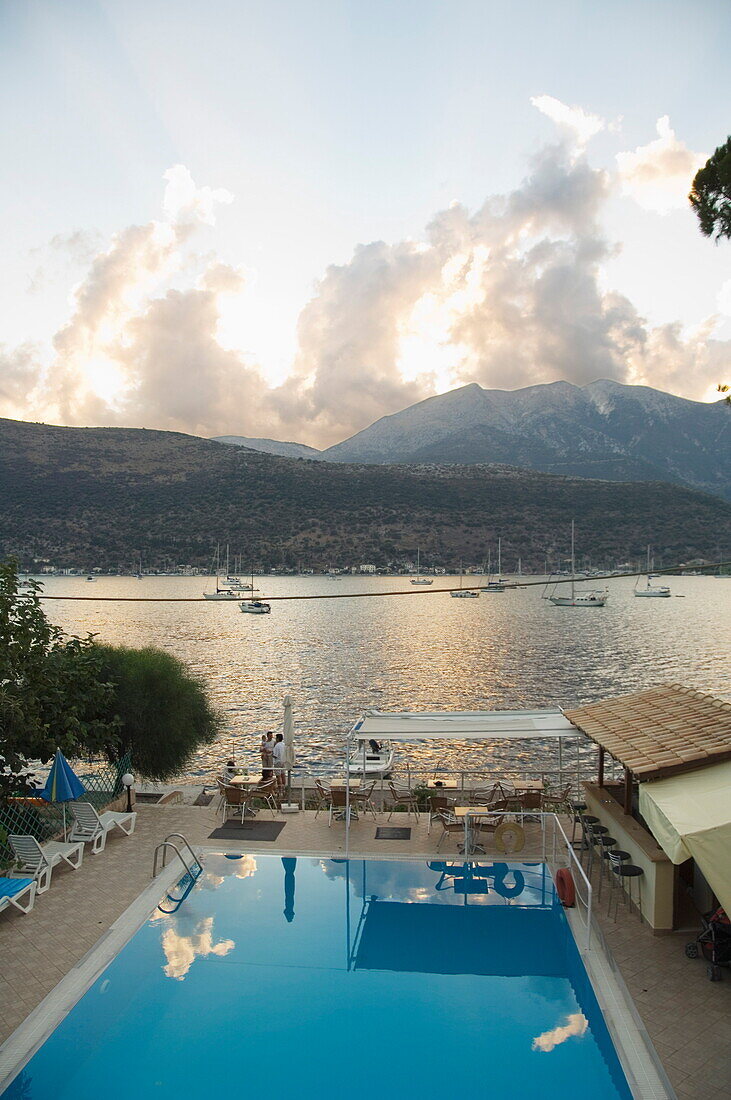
445 725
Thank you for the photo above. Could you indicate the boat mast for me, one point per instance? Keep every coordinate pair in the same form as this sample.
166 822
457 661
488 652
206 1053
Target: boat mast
499 566
573 562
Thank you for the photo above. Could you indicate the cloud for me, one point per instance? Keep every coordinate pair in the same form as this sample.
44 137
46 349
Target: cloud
507 295
659 175
579 124
181 949
20 373
576 1025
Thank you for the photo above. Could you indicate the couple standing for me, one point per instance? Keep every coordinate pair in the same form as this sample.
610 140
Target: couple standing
272 757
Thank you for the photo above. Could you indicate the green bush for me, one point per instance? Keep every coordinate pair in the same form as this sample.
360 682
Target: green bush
164 712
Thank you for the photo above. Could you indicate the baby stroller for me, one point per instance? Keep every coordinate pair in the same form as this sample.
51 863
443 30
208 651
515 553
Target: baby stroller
714 943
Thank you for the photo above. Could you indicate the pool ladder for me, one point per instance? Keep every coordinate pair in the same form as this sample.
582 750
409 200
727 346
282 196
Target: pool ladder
192 870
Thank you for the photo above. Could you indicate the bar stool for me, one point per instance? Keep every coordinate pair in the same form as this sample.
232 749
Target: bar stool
595 833
586 821
627 871
617 854
577 810
606 843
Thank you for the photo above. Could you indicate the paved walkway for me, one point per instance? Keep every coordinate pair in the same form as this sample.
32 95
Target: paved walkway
687 1017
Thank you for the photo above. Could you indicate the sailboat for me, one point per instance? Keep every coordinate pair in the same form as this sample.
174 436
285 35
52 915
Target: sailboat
579 599
658 590
418 579
253 606
464 593
231 588
498 585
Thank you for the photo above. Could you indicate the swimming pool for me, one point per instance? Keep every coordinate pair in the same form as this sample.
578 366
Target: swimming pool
302 976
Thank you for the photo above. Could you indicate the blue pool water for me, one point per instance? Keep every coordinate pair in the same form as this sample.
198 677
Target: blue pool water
306 977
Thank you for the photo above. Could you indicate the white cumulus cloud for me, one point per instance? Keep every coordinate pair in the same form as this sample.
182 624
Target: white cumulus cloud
659 175
575 121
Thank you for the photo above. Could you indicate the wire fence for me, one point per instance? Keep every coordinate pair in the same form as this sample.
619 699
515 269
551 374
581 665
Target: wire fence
30 815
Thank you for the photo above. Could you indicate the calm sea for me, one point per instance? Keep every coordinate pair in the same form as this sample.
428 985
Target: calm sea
338 658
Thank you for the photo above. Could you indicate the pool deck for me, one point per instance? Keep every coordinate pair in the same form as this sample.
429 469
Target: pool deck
688 1018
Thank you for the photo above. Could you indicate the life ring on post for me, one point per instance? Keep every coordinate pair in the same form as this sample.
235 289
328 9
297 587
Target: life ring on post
565 888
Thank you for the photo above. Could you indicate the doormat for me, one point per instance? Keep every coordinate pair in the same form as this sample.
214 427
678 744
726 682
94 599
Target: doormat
250 830
386 832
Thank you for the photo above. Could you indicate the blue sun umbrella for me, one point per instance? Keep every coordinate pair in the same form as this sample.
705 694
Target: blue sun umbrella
63 784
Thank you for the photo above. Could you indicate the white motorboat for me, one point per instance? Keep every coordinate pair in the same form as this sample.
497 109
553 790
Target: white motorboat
654 590
418 579
255 607
591 598
367 760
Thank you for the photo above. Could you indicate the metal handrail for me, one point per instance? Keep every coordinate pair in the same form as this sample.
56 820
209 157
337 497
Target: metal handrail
167 843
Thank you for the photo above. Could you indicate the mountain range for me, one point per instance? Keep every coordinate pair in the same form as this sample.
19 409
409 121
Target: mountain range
601 430
101 497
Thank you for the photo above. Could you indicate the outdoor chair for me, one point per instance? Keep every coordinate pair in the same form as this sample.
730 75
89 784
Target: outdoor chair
402 796
439 804
269 793
18 892
38 862
363 799
339 806
450 826
93 828
556 802
322 794
236 799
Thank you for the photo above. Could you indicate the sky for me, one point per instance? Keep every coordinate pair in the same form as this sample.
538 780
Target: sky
288 219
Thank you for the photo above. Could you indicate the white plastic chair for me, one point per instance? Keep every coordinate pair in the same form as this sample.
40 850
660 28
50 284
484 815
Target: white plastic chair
93 827
20 893
38 862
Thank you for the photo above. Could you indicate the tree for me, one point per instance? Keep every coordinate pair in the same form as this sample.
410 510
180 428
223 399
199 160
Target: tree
52 691
163 711
710 195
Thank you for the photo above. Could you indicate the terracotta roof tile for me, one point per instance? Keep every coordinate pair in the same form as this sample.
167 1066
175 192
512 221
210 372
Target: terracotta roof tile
657 732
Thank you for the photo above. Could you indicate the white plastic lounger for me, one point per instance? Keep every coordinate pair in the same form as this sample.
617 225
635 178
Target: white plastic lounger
38 862
18 892
90 826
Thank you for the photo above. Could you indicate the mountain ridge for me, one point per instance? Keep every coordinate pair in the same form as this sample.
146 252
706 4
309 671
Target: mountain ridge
100 497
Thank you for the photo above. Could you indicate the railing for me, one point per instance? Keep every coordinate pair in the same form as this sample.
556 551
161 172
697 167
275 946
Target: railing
192 870
26 813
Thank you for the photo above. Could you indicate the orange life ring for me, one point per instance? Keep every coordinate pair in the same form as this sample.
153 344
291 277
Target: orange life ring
565 888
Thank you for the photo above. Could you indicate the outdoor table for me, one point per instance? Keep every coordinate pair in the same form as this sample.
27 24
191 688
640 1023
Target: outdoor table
529 785
467 812
443 785
245 780
339 784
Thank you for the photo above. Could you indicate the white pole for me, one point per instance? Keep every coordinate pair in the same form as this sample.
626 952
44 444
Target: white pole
347 799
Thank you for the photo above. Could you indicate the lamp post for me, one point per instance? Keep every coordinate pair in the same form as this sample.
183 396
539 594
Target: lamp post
127 781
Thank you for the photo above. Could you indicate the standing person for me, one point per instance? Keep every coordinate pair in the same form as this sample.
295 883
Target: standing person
269 745
279 761
266 759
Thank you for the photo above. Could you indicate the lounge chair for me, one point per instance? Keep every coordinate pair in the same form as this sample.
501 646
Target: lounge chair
13 891
38 862
93 827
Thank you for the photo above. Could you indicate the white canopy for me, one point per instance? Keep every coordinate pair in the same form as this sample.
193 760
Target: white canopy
690 815
468 725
